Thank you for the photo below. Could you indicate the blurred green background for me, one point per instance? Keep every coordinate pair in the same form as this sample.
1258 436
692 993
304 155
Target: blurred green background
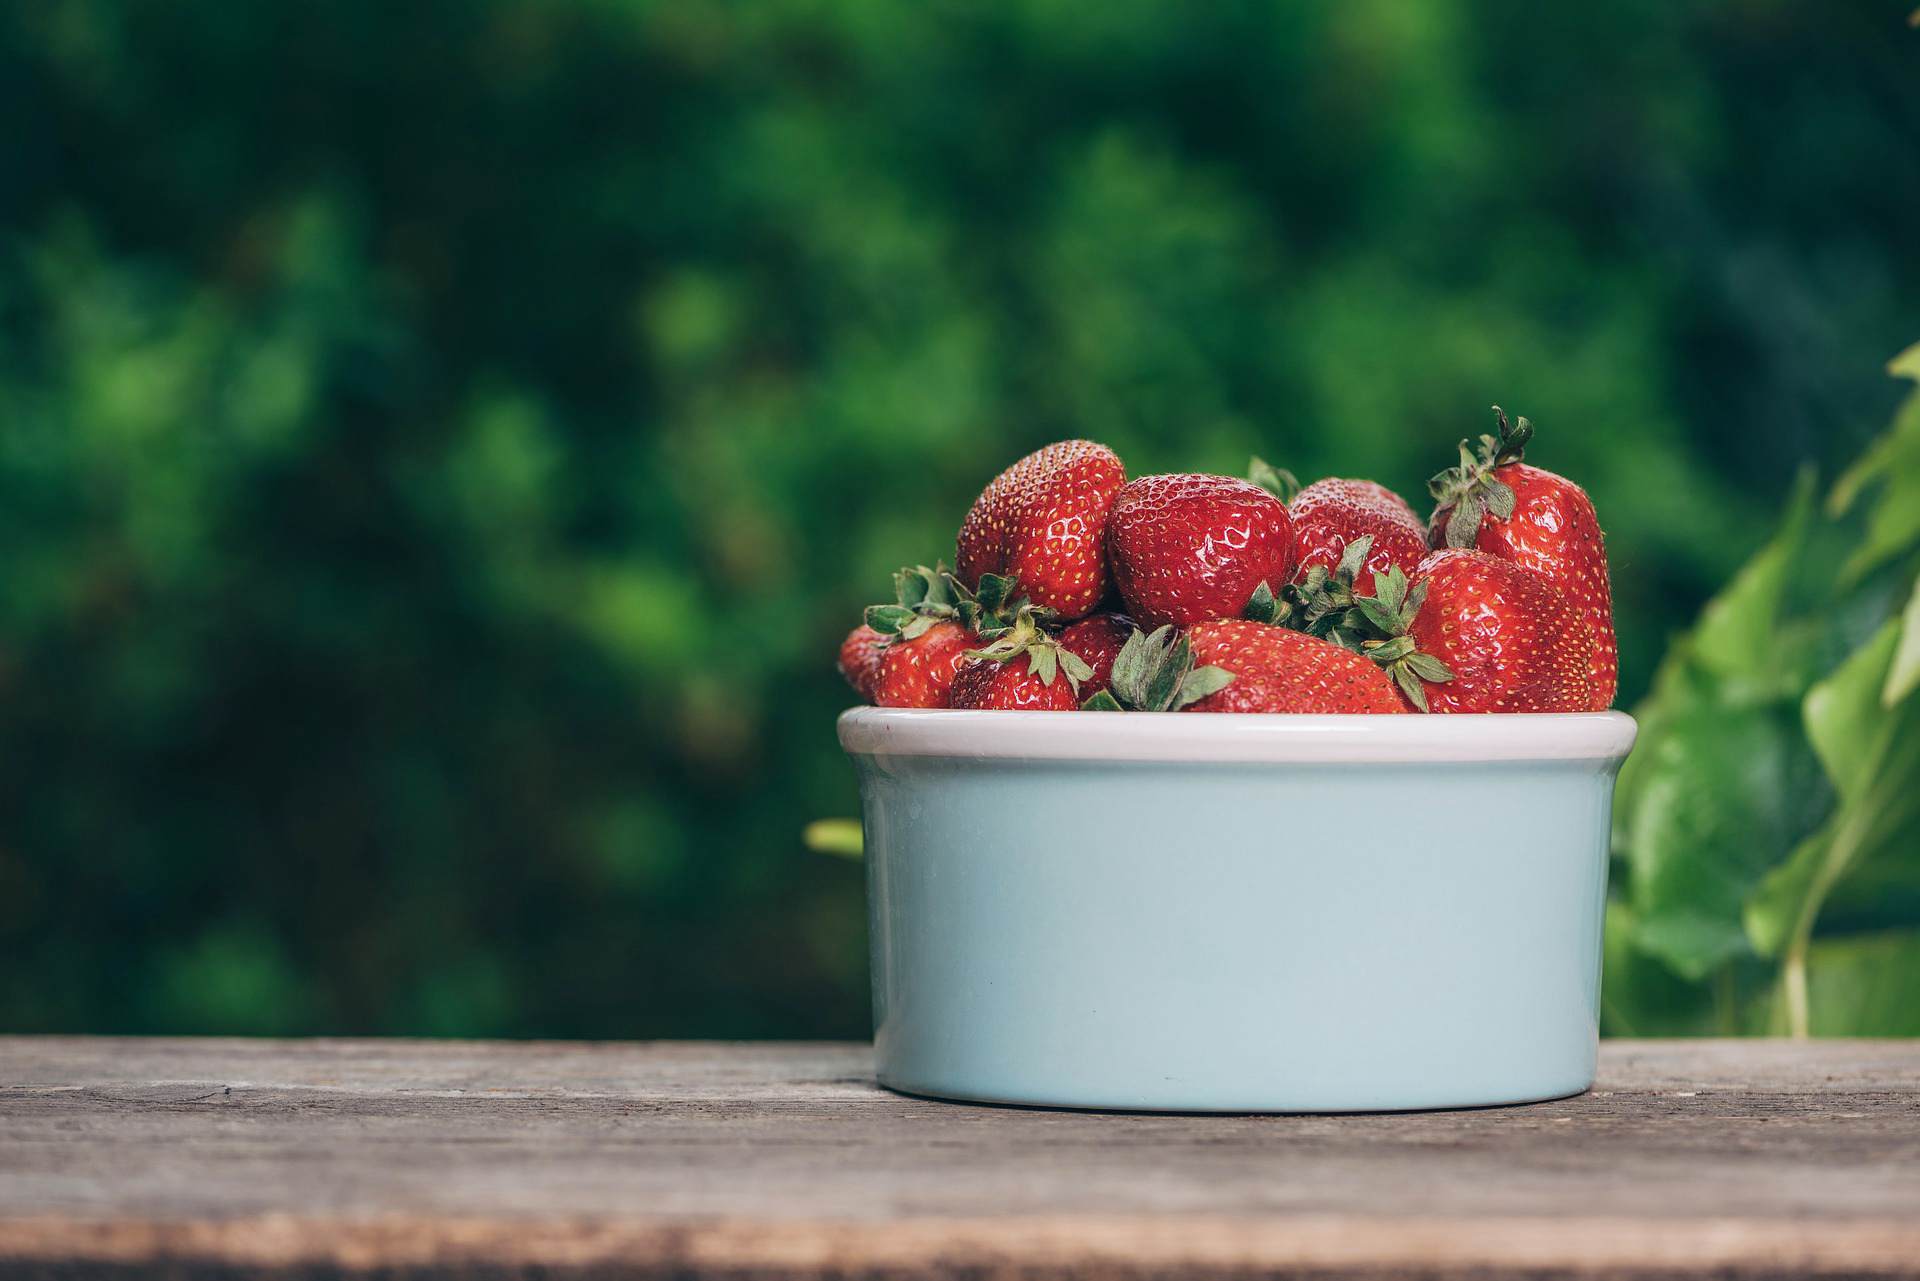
441 444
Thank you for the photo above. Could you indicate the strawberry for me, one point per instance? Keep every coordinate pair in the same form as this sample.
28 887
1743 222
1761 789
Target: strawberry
1329 514
1279 670
927 630
918 671
1012 686
1098 640
1043 523
1021 668
1511 640
1189 548
860 655
1504 507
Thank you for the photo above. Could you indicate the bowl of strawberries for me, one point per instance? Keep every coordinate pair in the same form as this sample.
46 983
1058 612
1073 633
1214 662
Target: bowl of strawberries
1377 882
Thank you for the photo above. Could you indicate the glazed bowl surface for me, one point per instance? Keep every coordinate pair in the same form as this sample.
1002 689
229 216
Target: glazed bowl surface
1236 913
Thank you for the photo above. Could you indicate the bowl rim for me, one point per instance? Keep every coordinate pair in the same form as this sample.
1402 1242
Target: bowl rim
1180 738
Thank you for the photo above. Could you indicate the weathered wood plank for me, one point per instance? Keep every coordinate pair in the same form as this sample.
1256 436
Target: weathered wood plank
1738 1158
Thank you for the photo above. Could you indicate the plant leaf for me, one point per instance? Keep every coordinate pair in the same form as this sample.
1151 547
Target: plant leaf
1867 985
1166 679
1903 674
1278 481
1201 682
1727 793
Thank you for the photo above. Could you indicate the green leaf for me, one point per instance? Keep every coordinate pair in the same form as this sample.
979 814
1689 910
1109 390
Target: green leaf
1429 668
1903 674
1044 661
1500 498
1263 606
888 620
1390 589
1464 523
1866 859
1906 364
1385 652
1278 481
1353 558
1410 686
1737 639
1726 795
1201 682
1173 668
1892 464
1101 701
1379 613
1868 985
1640 996
1129 677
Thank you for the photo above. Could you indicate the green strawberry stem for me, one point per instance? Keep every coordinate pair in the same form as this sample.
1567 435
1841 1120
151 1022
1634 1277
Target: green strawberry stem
1155 673
1377 627
1471 487
1278 481
923 597
1314 602
1046 657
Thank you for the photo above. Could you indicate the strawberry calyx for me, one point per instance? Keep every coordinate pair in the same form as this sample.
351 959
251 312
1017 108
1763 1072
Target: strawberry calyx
1377 627
1278 481
1155 673
1471 488
1315 602
923 597
997 606
1046 657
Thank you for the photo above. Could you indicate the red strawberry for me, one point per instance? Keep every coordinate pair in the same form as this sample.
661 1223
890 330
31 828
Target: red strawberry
918 671
1022 668
860 655
1043 522
1012 686
1512 641
1098 639
1189 548
1329 514
1496 503
1278 670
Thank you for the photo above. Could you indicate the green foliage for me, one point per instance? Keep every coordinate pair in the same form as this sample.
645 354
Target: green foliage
1770 819
442 444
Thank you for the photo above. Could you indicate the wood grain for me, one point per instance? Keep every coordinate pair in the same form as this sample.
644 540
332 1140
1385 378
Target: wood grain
320 1158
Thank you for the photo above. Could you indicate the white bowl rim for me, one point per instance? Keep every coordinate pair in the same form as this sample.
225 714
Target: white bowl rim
1181 737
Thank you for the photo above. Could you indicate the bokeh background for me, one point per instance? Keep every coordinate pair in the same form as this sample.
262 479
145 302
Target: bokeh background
441 444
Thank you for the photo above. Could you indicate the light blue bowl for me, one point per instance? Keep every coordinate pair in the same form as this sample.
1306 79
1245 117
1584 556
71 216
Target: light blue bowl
1236 913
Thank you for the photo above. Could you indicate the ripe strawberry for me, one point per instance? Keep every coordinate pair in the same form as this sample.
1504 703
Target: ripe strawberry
1022 669
860 655
1278 670
1512 641
1496 503
1189 548
1329 514
1012 686
918 671
1043 522
1098 640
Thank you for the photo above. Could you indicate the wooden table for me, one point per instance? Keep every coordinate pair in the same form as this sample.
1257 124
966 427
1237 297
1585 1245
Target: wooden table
317 1158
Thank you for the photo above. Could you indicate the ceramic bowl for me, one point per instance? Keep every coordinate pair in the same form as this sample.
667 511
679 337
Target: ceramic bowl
1236 913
